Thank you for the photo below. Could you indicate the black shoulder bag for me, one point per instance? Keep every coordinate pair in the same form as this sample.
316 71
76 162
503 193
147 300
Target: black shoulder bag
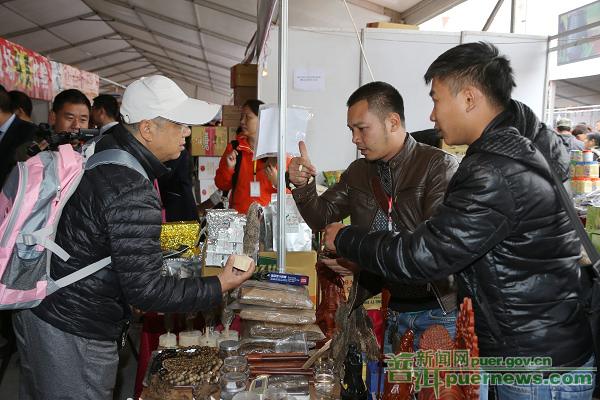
236 171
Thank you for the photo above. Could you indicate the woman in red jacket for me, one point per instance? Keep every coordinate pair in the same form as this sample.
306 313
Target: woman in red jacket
256 180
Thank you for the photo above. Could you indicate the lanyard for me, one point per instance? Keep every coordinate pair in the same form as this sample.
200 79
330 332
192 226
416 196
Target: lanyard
390 222
255 161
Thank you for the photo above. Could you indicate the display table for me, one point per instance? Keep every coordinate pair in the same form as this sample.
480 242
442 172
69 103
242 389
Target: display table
186 394
153 326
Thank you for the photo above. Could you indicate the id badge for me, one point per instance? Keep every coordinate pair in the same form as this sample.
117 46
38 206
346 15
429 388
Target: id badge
254 189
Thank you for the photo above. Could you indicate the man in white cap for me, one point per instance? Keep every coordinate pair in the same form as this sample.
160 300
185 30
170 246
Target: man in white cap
68 344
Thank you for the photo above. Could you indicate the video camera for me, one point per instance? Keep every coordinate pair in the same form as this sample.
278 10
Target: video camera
47 139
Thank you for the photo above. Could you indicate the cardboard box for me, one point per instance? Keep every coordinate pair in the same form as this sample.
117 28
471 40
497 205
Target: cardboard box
209 140
297 262
244 75
207 167
231 116
391 25
244 93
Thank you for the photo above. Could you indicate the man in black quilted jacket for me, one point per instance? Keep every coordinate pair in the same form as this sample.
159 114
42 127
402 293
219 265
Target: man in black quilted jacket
501 229
68 344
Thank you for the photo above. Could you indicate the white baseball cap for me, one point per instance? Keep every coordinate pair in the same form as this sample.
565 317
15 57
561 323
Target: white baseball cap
158 96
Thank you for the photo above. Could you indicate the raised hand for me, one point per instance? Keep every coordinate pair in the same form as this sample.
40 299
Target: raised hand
300 168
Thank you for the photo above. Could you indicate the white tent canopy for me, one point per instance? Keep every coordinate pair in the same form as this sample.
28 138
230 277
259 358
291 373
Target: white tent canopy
194 42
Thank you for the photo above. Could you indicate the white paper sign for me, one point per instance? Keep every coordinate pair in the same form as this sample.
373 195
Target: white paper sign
309 79
268 130
207 167
207 187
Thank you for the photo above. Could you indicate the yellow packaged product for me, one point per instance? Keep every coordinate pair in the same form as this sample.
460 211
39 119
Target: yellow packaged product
174 235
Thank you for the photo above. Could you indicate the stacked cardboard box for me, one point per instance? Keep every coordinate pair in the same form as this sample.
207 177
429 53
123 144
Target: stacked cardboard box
211 140
231 116
243 81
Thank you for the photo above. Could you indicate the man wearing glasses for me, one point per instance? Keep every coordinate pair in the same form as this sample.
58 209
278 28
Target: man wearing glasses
68 344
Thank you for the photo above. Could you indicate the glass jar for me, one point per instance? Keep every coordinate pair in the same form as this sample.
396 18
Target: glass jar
324 377
246 396
232 383
275 394
228 348
236 364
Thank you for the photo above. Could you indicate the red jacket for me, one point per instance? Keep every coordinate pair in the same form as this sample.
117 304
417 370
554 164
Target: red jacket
241 193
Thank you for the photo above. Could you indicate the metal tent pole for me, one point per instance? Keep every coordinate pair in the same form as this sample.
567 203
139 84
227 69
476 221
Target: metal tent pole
281 160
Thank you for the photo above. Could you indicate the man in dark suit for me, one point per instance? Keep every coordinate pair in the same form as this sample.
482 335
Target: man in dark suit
15 135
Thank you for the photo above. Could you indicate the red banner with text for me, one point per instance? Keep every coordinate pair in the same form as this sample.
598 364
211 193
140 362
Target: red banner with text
25 70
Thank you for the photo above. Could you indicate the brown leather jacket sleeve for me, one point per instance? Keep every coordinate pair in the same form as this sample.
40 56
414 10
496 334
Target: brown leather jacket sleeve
319 211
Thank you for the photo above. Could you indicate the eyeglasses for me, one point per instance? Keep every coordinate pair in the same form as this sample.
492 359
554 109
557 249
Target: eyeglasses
183 128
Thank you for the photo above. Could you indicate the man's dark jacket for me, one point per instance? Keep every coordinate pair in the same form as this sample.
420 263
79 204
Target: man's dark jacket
13 145
115 212
505 235
420 175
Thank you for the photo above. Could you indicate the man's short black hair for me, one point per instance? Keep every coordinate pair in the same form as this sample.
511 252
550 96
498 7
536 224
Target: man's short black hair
20 100
5 104
72 96
478 64
381 97
109 104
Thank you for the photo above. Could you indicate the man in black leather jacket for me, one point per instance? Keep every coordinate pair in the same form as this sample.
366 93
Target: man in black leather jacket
501 228
68 344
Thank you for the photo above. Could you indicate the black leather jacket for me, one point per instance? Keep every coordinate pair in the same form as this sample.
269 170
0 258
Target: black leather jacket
115 211
504 234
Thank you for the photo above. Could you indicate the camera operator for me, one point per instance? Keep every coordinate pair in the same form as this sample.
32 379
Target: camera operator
70 111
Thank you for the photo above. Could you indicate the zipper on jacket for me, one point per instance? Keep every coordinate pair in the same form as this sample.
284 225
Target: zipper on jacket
438 297
17 203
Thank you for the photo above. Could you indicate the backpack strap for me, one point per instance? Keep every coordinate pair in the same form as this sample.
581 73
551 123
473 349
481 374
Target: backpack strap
118 157
83 272
43 236
110 156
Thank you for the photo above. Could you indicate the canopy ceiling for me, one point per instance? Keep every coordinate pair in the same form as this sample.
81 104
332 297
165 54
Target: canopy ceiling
194 42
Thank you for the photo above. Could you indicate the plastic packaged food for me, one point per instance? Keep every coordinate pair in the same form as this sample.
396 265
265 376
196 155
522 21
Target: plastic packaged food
275 295
293 344
270 330
277 315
